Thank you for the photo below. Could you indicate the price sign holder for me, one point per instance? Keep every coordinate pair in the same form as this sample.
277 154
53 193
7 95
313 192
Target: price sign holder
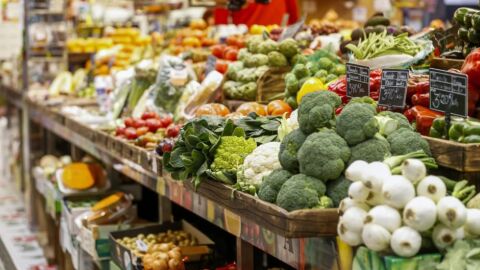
449 94
358 80
211 62
292 30
393 88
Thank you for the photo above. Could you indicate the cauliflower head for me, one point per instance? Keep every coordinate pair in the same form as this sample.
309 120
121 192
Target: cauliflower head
356 123
323 155
317 110
260 163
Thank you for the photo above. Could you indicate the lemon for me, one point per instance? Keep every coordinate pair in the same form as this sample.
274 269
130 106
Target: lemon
311 85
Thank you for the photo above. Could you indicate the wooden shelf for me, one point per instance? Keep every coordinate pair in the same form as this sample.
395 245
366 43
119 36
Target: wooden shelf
296 238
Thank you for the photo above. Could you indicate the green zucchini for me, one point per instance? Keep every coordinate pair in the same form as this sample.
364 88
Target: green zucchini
473 36
472 139
471 130
377 20
459 14
463 33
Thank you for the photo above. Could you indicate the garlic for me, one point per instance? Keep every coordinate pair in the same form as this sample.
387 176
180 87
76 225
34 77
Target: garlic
414 170
406 242
451 212
385 216
432 187
420 213
375 237
397 191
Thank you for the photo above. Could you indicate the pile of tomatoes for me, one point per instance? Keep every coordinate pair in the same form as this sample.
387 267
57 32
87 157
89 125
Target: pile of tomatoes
226 53
149 130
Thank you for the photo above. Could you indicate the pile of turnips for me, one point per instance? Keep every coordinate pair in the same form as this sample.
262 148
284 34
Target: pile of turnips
387 212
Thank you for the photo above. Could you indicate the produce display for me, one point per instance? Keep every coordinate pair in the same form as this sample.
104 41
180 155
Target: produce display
261 113
259 55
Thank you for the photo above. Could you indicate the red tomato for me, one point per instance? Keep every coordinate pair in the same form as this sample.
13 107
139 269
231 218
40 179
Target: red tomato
153 124
131 133
120 131
128 122
221 66
231 54
141 131
217 50
138 123
148 115
173 131
232 40
166 121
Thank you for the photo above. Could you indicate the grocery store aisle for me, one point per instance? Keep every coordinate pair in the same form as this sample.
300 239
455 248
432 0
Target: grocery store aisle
19 248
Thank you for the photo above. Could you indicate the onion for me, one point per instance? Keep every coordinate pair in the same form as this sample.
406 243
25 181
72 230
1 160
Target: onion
451 212
414 170
406 242
358 192
348 202
432 187
355 170
443 236
397 191
374 175
374 198
385 216
376 237
353 219
420 213
347 236
472 224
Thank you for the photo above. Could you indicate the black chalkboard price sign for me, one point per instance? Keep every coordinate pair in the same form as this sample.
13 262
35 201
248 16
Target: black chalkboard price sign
449 92
393 89
358 80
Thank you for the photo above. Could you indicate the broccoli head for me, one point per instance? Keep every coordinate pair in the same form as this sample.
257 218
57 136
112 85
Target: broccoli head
323 155
317 110
404 141
366 100
229 156
375 149
267 46
272 184
401 119
356 123
276 59
325 202
337 189
289 47
300 192
289 148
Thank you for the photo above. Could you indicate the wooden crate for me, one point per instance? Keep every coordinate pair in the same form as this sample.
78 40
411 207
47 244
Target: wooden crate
454 155
271 84
446 63
295 224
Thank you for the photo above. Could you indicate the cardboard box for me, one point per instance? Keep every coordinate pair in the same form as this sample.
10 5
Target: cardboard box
126 259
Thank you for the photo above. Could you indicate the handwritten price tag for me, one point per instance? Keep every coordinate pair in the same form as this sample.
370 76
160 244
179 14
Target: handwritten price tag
449 92
358 80
393 90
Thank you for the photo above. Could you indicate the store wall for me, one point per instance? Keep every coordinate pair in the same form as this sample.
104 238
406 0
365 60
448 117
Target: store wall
318 8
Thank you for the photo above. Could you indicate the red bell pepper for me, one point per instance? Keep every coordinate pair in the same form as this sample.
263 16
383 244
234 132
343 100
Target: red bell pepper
423 118
471 67
421 99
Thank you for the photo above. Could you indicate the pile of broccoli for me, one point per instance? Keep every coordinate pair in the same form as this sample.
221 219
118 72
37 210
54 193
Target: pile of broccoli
253 61
315 156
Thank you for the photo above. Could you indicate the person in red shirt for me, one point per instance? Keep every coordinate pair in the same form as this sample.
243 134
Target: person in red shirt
263 14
